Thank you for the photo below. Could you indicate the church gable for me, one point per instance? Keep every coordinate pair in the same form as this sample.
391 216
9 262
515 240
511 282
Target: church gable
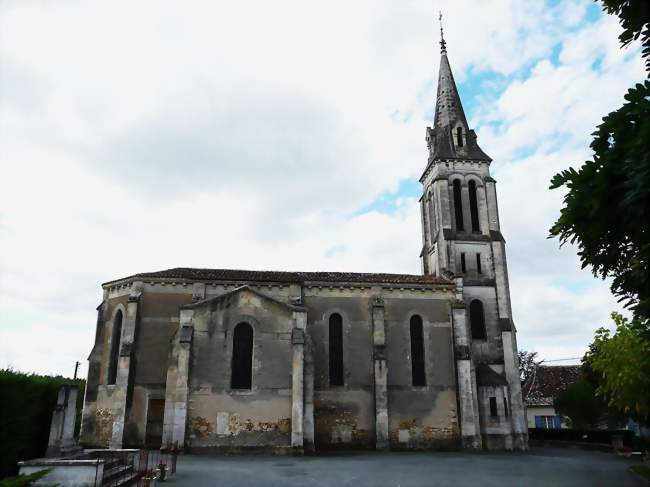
244 295
220 314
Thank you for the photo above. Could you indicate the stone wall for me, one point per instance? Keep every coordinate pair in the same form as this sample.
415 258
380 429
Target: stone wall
218 417
421 417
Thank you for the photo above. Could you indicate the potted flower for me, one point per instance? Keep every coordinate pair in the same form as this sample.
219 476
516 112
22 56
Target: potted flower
149 478
162 471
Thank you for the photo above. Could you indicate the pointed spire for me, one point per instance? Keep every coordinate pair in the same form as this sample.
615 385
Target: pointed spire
451 136
449 109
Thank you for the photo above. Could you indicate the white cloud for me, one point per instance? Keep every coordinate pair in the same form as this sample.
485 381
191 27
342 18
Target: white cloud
138 136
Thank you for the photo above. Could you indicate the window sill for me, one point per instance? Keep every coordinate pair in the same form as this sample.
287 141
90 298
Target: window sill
242 392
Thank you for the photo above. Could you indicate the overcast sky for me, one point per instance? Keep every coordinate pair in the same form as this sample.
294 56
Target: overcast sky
288 135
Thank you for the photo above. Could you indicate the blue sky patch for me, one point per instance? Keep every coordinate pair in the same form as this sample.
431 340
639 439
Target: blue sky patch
388 202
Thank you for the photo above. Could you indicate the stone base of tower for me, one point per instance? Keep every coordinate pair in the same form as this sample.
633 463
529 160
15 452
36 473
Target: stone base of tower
507 442
520 442
472 443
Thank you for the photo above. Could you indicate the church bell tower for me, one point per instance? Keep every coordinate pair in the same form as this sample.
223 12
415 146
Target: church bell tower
462 240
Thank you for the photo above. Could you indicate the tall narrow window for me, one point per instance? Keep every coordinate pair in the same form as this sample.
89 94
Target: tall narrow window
459 136
493 407
463 265
242 357
336 350
458 206
426 210
417 352
473 206
477 320
116 335
479 270
432 206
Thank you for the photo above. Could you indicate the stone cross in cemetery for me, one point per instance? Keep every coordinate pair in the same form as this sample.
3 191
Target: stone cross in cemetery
62 440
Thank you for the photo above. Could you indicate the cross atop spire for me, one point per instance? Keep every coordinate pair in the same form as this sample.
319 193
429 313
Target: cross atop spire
443 44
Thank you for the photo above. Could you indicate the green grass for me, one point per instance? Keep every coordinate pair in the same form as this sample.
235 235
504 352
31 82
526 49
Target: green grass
641 470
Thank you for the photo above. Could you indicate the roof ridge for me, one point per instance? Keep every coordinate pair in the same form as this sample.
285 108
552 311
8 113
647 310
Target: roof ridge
199 274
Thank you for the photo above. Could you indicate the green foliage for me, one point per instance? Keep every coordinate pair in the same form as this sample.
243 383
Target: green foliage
607 208
641 470
579 403
622 361
25 414
634 17
24 480
581 436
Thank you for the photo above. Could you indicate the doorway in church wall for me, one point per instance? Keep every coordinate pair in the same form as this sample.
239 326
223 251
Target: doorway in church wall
155 415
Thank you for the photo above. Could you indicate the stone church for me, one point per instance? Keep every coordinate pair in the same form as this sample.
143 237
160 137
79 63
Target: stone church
231 360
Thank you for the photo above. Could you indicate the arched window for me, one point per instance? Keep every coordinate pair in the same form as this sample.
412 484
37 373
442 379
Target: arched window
477 320
458 206
336 350
242 357
417 352
473 206
459 136
116 335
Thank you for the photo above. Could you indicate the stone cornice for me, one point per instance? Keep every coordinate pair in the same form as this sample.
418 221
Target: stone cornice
126 283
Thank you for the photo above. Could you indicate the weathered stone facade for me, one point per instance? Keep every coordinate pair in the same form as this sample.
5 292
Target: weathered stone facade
335 360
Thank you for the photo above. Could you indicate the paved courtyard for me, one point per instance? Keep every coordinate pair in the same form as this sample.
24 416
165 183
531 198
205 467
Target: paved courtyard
542 467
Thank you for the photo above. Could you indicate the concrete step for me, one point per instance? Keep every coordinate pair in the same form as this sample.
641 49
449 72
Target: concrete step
71 451
117 471
127 479
111 462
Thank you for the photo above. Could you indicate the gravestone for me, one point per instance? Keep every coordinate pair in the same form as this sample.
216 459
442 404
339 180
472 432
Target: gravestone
62 440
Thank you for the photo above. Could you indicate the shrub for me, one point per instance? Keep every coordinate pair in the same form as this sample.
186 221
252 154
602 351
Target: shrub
583 436
25 415
25 480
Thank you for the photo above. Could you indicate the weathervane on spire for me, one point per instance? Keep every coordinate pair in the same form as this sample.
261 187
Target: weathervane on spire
443 44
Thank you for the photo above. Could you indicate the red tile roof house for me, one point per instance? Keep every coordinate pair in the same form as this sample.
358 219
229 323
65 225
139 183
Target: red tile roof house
545 386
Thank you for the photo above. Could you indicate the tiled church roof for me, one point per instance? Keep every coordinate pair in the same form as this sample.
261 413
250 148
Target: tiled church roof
283 276
549 382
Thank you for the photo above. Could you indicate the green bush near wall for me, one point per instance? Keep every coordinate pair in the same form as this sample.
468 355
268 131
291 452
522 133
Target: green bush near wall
581 436
26 405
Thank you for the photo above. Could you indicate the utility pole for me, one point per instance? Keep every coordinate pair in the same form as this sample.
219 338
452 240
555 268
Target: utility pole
76 368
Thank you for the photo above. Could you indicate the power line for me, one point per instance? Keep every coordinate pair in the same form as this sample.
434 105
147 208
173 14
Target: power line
561 359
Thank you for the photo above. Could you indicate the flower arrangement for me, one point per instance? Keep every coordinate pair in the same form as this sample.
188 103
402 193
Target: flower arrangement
149 478
162 471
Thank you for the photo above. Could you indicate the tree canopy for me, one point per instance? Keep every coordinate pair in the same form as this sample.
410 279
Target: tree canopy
634 17
581 405
606 213
622 362
607 207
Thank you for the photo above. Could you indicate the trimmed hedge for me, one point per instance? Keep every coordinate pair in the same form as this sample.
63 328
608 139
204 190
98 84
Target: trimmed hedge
583 436
26 405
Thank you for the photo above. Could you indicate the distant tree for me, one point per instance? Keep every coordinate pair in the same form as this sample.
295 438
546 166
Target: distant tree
622 364
579 403
528 364
607 207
